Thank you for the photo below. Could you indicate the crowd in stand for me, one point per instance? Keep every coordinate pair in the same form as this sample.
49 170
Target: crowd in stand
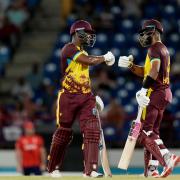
14 18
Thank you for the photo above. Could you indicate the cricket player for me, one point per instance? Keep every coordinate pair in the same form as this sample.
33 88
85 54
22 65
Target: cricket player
154 96
30 151
76 99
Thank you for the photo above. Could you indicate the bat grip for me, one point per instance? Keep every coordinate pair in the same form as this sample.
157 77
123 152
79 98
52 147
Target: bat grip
139 114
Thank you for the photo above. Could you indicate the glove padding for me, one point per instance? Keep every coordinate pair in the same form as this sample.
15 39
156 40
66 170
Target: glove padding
109 58
99 103
125 61
142 99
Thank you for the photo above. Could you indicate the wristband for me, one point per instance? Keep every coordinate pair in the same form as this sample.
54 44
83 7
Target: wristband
148 82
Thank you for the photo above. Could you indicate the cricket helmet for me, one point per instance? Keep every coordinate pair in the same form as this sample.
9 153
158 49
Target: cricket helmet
84 31
148 29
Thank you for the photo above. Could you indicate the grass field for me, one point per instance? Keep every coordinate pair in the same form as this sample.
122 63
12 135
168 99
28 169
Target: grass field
116 177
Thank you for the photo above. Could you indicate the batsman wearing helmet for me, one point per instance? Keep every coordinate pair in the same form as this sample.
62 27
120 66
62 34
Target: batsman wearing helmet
154 96
76 99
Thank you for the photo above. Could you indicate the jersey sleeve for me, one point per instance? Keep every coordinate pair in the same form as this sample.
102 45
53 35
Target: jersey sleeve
70 51
154 53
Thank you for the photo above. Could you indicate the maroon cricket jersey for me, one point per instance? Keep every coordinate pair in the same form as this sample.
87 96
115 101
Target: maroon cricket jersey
160 52
159 92
75 74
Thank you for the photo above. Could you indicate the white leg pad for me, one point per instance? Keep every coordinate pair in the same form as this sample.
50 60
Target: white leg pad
159 141
164 151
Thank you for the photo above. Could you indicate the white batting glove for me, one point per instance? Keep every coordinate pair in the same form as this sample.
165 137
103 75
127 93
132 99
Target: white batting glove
109 58
99 103
125 61
141 98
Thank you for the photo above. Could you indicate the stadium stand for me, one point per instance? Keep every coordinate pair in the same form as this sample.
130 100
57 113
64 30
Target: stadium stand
116 30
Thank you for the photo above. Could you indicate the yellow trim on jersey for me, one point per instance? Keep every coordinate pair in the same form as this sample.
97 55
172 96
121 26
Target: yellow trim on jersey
145 109
58 114
74 59
147 66
155 59
77 55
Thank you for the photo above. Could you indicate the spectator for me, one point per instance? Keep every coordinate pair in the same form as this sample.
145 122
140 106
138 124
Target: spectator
4 117
18 114
17 13
103 80
32 6
35 77
49 97
113 119
134 6
30 151
21 88
4 5
9 33
105 20
114 115
30 108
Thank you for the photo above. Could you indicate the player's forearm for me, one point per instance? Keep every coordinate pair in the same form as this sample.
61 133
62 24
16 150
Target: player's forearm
90 60
95 60
137 70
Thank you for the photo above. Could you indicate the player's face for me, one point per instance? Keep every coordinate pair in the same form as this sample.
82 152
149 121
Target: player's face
29 131
86 38
146 35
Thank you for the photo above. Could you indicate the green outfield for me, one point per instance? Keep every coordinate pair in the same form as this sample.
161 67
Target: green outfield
116 177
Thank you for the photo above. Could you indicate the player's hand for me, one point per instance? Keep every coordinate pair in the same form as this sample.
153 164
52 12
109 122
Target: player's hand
125 61
141 98
99 103
109 58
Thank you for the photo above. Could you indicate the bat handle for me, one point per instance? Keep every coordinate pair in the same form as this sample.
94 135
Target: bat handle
139 114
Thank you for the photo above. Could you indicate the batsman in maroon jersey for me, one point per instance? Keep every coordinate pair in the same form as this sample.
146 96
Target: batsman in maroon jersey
75 99
153 97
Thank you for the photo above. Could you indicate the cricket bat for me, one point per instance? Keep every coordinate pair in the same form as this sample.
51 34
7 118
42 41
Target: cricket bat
130 142
103 152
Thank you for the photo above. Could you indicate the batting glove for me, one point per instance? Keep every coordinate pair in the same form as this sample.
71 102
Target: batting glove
109 58
125 61
99 103
142 99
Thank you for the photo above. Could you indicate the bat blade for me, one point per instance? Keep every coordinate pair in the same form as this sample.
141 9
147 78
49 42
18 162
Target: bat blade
127 153
103 152
130 142
104 157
